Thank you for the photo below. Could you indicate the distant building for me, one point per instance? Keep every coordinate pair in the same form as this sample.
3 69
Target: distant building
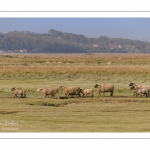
17 51
95 45
10 51
115 46
2 51
20 51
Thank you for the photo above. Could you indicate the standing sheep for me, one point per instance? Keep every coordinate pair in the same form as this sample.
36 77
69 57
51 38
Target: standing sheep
87 92
72 90
18 92
102 88
49 91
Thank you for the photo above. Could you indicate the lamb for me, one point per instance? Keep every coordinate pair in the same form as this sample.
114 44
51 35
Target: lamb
72 90
87 92
18 92
49 92
102 88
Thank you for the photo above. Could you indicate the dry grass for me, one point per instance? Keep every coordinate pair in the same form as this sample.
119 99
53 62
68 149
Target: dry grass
76 63
80 69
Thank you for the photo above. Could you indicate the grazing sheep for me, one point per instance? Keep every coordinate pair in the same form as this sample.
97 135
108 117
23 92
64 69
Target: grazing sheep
72 90
49 92
87 92
18 92
102 88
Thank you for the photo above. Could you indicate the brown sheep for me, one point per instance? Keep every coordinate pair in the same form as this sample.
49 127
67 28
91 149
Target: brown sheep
49 91
102 88
72 90
18 92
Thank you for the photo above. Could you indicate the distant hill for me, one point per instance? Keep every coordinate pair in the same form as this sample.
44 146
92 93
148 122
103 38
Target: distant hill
61 42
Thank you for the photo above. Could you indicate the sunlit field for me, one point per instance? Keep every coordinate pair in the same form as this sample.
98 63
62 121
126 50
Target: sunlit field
121 113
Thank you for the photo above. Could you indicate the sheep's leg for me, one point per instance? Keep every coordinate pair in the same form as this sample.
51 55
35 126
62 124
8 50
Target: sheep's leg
79 95
57 95
146 94
52 96
67 95
111 94
99 93
16 95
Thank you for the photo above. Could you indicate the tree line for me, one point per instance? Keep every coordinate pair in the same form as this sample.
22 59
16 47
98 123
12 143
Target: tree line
61 42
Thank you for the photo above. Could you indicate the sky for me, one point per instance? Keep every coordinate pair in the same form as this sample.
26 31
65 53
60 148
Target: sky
128 28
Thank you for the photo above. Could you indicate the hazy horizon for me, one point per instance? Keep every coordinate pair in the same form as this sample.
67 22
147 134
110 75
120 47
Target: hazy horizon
127 28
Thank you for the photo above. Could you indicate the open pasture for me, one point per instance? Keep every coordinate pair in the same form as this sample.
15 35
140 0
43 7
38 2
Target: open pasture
121 113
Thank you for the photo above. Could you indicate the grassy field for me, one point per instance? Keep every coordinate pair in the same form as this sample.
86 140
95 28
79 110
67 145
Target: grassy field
120 113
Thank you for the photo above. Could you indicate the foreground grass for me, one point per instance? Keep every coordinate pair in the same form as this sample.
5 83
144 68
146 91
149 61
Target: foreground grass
76 115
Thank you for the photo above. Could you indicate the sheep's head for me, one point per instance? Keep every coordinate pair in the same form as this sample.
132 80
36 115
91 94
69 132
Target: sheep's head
81 90
13 89
61 87
133 87
96 85
131 84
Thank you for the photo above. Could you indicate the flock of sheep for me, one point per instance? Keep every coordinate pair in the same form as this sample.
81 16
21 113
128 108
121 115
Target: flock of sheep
69 91
140 89
78 92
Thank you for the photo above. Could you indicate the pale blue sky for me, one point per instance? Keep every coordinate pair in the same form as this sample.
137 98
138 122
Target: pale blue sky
129 28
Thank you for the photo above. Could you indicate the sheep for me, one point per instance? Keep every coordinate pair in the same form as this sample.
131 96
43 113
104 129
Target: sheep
102 88
134 86
18 92
49 91
87 92
139 90
72 90
142 90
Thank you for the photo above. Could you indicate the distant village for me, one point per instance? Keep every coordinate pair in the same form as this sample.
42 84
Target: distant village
14 51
